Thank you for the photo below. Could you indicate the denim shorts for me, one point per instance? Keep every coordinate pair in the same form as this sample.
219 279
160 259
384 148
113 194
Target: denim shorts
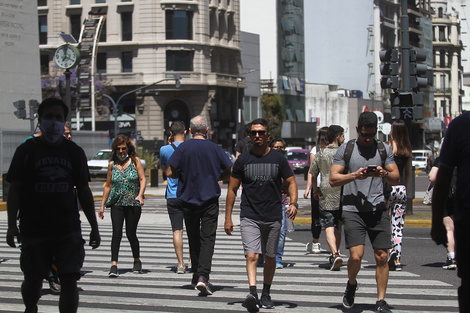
375 224
260 237
66 252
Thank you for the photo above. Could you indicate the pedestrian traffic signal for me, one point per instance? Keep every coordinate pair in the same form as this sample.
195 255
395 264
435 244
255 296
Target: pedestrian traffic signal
20 109
33 108
389 68
407 105
418 71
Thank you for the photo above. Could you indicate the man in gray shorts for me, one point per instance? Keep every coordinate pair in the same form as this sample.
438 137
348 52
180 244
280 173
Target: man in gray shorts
260 170
363 204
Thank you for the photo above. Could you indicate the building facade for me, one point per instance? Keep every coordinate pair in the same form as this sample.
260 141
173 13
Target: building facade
143 42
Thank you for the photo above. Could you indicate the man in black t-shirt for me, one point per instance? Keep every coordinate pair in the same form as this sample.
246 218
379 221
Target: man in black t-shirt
260 170
42 174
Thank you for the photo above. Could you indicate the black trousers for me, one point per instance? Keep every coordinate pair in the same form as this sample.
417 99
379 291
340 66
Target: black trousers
316 227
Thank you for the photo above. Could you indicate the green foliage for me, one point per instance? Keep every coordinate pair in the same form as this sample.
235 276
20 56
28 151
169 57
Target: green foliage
149 157
273 112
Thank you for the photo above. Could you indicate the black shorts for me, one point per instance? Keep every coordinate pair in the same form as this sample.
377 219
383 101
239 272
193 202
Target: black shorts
330 218
67 253
375 224
175 211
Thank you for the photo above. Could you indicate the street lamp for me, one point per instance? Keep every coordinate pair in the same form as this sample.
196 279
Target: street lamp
176 78
239 111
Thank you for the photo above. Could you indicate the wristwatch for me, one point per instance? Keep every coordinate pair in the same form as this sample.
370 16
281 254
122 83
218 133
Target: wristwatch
386 174
294 204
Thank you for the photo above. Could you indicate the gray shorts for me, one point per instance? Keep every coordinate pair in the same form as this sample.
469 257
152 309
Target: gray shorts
260 237
375 224
330 219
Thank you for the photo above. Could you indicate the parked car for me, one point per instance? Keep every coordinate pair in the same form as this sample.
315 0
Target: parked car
419 162
98 164
298 159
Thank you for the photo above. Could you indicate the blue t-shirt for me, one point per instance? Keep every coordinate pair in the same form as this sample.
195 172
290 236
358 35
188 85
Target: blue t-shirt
172 183
455 152
199 163
261 179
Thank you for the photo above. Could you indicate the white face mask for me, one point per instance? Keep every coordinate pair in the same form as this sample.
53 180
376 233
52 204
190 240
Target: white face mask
52 131
122 159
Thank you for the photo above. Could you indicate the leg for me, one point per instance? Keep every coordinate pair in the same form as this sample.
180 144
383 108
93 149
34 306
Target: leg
251 262
178 244
117 220
192 222
398 198
132 220
338 238
68 301
316 227
354 262
209 217
381 272
282 238
449 224
175 211
31 292
269 269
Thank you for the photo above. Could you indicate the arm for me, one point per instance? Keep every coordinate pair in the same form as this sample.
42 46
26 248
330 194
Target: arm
337 178
225 175
230 200
106 190
407 171
12 211
172 172
393 177
88 206
439 197
142 181
433 174
293 195
309 177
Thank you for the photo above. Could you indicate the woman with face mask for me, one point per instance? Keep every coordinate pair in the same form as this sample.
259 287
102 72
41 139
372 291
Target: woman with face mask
124 194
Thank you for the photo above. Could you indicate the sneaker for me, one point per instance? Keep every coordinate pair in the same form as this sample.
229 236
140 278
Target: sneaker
54 285
113 272
382 307
398 266
279 265
181 269
335 261
251 303
316 248
450 264
137 269
349 294
203 287
266 302
391 259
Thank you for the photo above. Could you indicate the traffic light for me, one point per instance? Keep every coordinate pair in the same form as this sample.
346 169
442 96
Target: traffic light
407 105
389 68
33 108
20 109
418 71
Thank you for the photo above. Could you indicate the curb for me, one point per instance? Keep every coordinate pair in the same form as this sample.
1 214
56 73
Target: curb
408 222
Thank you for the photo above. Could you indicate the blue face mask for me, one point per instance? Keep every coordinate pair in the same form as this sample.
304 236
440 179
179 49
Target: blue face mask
122 159
52 131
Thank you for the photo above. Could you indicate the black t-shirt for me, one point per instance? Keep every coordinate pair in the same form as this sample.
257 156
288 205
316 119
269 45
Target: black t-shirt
261 179
48 174
244 145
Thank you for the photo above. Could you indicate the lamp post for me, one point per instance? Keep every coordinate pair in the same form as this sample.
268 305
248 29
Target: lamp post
176 78
239 111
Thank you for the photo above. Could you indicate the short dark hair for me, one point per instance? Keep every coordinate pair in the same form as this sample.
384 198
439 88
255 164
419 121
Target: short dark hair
333 132
367 119
260 121
50 102
271 144
177 128
247 129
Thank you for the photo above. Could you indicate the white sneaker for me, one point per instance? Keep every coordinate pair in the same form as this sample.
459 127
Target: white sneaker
316 248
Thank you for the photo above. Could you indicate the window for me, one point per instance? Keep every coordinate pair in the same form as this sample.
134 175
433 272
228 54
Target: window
75 25
442 33
179 61
442 58
44 60
440 13
100 1
103 32
101 62
42 29
126 26
74 1
126 62
42 3
179 24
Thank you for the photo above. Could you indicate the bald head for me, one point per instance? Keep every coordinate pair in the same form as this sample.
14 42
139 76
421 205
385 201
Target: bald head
198 125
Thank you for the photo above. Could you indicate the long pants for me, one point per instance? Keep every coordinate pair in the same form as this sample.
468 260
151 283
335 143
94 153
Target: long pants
282 235
397 206
131 214
201 227
462 256
316 226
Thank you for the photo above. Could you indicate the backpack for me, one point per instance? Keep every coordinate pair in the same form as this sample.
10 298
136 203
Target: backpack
387 188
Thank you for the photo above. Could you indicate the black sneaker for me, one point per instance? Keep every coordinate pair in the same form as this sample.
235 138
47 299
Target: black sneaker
113 272
382 307
137 269
251 303
266 302
349 294
335 261
203 287
391 260
450 264
54 285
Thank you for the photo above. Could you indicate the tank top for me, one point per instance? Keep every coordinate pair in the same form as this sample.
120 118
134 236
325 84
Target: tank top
401 163
125 186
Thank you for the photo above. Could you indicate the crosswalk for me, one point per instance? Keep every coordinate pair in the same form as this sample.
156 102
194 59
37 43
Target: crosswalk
305 285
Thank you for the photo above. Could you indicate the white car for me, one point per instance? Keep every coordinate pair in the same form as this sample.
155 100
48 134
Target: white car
98 165
419 162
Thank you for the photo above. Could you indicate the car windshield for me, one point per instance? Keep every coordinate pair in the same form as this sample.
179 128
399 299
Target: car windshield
102 155
297 156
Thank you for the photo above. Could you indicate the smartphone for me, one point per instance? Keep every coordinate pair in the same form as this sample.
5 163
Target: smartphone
371 168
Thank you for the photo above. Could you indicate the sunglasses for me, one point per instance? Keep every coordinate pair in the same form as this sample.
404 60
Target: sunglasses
259 132
68 134
368 135
120 149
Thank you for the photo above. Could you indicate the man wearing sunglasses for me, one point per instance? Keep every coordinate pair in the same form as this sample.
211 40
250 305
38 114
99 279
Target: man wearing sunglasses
260 170
363 204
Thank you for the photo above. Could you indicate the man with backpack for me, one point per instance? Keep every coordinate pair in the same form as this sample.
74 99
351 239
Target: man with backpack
362 173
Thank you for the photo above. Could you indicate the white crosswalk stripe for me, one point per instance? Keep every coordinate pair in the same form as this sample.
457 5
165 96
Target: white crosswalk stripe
306 285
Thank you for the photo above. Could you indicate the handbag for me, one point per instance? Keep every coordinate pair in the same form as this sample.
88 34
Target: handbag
428 195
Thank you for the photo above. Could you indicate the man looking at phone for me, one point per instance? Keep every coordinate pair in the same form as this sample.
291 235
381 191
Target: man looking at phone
363 204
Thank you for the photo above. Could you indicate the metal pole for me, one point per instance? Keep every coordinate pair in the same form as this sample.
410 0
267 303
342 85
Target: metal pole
68 98
405 46
115 114
238 115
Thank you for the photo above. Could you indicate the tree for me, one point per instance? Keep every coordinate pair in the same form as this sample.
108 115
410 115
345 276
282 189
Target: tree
273 112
